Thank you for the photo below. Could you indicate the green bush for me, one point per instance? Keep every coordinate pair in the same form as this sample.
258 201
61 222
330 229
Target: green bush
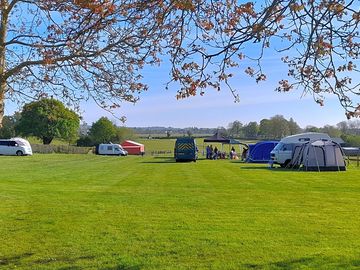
351 140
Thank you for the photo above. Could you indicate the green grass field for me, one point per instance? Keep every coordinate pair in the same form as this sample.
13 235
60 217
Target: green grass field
98 212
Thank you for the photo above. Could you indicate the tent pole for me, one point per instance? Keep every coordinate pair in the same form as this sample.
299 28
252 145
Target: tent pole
317 162
336 162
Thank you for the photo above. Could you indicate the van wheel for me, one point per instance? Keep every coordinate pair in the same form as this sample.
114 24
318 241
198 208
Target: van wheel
19 153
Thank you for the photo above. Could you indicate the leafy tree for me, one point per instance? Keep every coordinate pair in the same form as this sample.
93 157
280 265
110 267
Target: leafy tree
235 129
47 119
8 128
124 133
312 129
354 126
265 128
85 140
279 127
251 130
293 127
95 49
331 131
102 131
351 140
343 127
222 131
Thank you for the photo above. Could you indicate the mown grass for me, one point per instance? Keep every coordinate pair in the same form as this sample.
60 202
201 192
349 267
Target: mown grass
99 212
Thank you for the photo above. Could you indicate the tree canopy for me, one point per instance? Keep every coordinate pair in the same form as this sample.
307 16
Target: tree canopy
8 128
47 119
96 49
102 131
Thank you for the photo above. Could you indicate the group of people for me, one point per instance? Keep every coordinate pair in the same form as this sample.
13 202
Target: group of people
215 153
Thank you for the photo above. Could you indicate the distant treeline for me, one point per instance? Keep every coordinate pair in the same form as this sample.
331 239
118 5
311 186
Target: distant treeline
274 128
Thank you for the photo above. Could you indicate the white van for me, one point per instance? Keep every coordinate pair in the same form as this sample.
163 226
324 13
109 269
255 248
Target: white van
15 147
110 149
282 153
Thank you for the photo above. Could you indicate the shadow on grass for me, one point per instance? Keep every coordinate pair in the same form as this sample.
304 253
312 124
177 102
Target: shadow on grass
166 160
308 263
122 267
14 259
267 168
255 168
162 161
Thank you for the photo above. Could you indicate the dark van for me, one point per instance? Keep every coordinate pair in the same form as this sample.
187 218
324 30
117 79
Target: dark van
185 149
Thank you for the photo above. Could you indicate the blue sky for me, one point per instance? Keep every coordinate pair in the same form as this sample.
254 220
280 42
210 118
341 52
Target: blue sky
159 107
218 109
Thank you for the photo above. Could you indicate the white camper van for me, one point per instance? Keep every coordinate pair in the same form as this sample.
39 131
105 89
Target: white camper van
15 147
110 149
282 153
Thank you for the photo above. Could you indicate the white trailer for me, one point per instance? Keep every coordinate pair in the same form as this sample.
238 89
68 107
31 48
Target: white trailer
15 147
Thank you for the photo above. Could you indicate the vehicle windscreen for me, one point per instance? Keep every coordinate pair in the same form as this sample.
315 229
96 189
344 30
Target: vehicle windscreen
278 146
20 143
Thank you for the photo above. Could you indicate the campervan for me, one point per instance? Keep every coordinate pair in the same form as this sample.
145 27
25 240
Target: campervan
15 147
110 149
282 153
185 149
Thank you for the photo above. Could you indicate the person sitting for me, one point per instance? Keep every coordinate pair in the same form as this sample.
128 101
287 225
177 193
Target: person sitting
233 154
215 156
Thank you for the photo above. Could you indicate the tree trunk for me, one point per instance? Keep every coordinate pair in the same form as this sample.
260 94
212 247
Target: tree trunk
3 27
47 140
2 103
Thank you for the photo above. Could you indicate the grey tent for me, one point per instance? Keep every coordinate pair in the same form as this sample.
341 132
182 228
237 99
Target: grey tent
319 155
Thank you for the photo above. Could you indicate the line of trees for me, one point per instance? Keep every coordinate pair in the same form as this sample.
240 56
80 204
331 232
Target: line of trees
278 127
274 128
49 119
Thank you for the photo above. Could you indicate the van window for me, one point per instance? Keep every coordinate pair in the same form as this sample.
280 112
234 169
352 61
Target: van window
4 143
278 146
109 147
20 143
304 139
287 147
12 143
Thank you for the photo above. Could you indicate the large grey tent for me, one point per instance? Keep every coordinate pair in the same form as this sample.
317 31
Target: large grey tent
319 155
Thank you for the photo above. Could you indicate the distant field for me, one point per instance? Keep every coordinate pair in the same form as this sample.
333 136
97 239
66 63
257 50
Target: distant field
98 212
156 145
